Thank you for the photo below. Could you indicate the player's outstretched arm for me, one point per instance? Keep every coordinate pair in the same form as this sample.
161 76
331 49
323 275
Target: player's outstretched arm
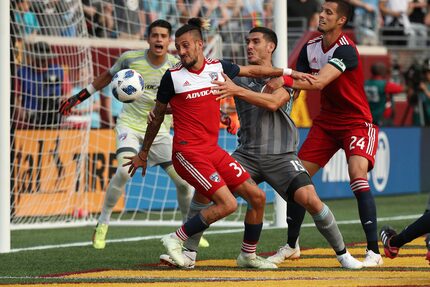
141 159
326 75
257 71
264 100
99 83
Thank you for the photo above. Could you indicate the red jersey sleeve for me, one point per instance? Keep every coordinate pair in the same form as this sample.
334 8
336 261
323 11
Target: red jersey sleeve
393 88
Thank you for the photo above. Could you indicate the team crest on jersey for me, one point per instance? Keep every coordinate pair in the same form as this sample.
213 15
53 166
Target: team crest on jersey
214 76
215 177
122 137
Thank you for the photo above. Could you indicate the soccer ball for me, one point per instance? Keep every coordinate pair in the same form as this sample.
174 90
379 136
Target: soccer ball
127 85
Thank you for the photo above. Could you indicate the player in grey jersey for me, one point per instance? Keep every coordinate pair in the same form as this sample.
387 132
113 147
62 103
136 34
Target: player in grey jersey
267 149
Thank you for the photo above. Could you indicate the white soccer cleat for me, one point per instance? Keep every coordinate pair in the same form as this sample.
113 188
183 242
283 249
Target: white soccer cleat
167 260
173 247
372 259
285 252
254 261
349 262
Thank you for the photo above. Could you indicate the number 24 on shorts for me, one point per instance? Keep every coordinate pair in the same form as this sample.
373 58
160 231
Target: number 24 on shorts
357 142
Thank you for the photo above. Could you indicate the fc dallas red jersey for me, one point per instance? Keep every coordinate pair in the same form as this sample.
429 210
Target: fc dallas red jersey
195 109
343 101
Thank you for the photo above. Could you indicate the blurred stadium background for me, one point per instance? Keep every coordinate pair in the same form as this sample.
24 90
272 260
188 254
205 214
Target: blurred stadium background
60 167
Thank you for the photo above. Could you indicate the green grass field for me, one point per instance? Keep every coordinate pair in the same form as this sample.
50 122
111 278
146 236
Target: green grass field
26 266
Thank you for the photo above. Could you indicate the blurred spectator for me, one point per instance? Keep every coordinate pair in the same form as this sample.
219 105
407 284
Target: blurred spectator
306 9
424 95
379 91
40 87
414 76
57 17
366 21
233 8
99 18
253 14
162 9
268 13
130 19
427 16
26 21
233 47
184 9
87 113
417 14
212 10
397 26
70 17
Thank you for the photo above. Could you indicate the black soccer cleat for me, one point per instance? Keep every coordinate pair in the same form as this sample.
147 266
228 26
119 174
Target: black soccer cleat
427 240
386 234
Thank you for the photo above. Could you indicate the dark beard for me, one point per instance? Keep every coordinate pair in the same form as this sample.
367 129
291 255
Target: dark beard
190 64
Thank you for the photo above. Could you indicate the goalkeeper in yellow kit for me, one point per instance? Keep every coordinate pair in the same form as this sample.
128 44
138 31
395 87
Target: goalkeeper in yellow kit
132 122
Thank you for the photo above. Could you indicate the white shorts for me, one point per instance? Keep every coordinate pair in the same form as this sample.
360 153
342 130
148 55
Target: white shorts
127 140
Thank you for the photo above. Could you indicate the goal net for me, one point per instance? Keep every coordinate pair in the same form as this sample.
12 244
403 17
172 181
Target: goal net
61 166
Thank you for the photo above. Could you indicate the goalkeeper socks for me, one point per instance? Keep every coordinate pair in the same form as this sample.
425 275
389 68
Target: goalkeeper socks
113 193
420 227
195 225
184 191
193 241
251 237
327 226
295 216
367 211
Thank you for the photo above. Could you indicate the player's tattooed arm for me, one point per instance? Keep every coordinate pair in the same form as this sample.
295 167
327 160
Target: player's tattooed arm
272 101
251 181
258 71
141 159
151 113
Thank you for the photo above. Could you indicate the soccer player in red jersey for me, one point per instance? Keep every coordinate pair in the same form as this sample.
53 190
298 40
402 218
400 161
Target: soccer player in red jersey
197 158
345 120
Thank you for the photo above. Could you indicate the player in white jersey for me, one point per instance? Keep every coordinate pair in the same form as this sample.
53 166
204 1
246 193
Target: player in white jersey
132 122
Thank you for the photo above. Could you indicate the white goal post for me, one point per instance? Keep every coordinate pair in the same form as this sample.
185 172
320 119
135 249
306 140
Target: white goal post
4 128
58 172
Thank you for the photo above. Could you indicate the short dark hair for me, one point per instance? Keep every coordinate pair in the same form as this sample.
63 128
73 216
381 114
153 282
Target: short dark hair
160 23
343 9
268 34
193 24
378 69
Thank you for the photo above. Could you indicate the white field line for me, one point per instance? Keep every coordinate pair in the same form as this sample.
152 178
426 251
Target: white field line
150 237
